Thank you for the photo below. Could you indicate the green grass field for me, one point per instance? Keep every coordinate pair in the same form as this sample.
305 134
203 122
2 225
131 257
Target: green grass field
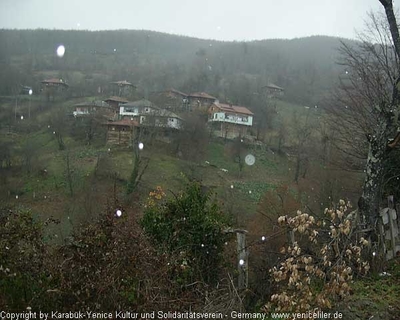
218 170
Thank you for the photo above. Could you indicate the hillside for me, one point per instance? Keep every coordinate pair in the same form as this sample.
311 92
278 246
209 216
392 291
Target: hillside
38 176
60 170
305 67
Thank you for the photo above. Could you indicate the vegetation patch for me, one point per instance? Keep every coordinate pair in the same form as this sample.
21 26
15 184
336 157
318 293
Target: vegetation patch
254 189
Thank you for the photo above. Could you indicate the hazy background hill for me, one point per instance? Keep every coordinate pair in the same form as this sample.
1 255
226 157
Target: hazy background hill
234 71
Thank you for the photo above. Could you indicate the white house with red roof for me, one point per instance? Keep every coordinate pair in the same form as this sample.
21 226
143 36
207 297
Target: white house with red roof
231 121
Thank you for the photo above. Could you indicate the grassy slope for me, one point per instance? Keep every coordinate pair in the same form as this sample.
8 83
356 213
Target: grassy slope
269 170
375 297
48 195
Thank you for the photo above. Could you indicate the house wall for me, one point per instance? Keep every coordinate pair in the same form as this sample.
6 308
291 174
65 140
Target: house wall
246 120
86 110
197 103
122 91
174 123
128 111
271 93
230 130
120 135
80 111
171 101
113 104
147 110
162 122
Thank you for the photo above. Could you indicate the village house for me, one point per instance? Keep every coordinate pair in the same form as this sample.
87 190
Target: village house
121 132
26 90
54 82
273 91
229 121
90 107
142 114
171 99
115 103
161 118
122 88
201 100
53 86
136 108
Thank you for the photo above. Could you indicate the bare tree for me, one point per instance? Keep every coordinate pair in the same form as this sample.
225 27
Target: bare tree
6 148
58 126
89 127
192 140
238 153
265 115
282 134
69 174
303 130
367 105
140 164
29 152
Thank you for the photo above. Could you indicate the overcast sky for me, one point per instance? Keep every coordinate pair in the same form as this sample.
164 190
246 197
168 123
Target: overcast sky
211 19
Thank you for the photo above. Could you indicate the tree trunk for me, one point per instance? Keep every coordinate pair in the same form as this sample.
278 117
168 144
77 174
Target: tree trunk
372 184
297 169
391 18
305 165
378 143
69 175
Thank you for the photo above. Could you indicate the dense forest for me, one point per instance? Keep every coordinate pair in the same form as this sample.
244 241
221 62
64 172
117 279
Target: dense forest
307 68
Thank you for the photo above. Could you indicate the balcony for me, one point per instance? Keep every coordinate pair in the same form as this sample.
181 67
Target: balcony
229 118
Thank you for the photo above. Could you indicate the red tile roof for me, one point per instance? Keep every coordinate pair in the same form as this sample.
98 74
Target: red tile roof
232 109
202 95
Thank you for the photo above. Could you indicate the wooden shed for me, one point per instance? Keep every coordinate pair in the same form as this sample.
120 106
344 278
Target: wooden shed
121 132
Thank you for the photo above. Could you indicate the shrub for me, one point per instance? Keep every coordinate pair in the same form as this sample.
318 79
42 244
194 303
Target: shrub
319 271
24 272
190 228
